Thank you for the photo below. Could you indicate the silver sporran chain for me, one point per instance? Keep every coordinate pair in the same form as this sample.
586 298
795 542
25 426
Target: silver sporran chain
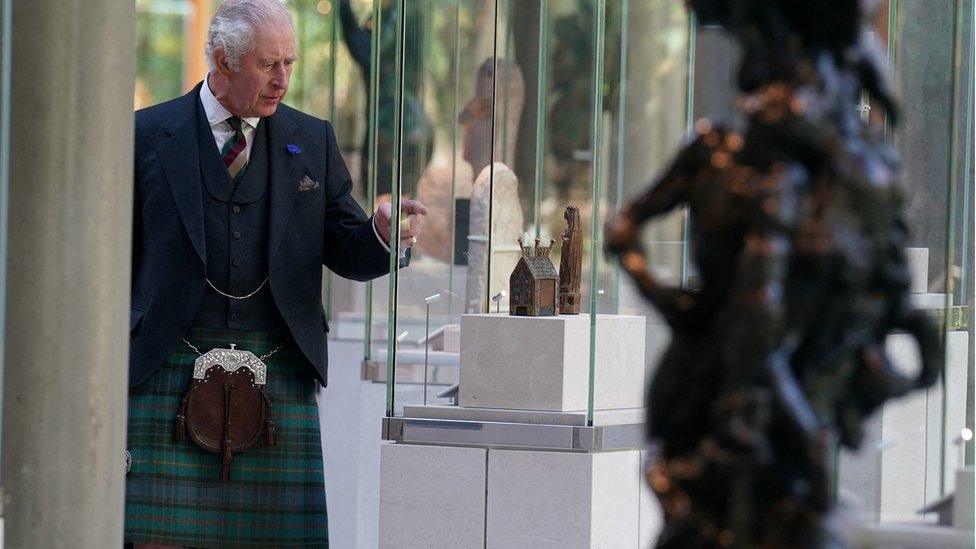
233 348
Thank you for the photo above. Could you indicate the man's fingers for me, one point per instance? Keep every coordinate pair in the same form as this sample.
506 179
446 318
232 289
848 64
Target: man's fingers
408 237
412 207
410 221
406 234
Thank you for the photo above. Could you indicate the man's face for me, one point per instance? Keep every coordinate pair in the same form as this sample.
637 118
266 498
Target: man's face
262 81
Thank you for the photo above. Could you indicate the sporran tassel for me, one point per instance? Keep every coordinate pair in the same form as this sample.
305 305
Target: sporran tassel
179 428
226 460
270 433
270 429
226 456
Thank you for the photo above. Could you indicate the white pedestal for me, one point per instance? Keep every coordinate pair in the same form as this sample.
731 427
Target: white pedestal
912 432
432 497
930 301
446 338
651 513
452 497
562 500
962 505
914 535
918 266
542 363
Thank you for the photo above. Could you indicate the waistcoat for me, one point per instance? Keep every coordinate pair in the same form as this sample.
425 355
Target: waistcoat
236 219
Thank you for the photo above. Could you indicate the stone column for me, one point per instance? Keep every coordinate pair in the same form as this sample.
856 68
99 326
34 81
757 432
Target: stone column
68 268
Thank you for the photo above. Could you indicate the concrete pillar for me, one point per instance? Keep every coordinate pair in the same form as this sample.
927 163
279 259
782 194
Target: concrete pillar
68 268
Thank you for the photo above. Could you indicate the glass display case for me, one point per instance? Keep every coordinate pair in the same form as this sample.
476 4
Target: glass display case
510 111
497 115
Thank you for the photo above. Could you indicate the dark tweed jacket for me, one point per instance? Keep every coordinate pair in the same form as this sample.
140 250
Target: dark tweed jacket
309 229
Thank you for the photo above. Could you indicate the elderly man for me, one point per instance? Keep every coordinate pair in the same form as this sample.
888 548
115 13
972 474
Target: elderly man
239 201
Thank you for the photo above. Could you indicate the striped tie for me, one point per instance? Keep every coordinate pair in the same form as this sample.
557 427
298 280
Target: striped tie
233 153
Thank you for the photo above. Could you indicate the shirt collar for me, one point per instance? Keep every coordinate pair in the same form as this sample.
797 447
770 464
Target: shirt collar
217 113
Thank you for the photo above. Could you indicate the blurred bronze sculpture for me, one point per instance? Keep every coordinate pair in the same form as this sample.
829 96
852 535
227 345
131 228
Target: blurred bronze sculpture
571 263
533 285
798 235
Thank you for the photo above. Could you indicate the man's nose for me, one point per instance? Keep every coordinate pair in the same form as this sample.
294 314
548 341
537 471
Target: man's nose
280 77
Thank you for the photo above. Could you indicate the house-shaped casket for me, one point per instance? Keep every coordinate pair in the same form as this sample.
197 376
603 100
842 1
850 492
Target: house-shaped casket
534 284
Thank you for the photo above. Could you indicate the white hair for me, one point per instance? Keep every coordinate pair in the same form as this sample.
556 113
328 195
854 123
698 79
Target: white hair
232 27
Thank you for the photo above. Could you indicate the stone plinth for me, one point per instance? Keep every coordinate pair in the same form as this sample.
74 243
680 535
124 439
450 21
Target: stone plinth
542 363
962 506
564 500
913 431
918 266
451 497
432 497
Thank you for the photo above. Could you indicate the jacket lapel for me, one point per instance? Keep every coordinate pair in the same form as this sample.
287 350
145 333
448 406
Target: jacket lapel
180 157
285 173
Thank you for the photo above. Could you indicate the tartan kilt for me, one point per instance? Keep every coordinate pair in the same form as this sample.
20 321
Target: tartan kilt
276 495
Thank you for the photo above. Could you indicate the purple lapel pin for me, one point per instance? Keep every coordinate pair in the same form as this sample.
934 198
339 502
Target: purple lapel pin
293 150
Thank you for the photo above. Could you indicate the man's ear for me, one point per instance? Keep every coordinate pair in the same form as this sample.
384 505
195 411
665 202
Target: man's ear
220 61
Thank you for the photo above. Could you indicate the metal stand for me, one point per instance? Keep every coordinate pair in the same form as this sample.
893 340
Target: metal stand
497 298
427 301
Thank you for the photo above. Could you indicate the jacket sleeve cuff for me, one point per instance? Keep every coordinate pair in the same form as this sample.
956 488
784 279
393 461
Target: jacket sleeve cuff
386 246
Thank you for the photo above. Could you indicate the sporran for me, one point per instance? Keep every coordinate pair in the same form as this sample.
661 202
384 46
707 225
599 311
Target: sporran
226 408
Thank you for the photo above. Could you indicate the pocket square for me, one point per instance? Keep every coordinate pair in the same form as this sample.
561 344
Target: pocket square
307 184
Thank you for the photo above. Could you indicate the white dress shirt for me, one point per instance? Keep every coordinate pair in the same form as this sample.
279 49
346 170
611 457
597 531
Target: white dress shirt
217 116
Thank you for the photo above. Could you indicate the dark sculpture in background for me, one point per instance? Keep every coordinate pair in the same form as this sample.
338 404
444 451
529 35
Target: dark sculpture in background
571 263
798 235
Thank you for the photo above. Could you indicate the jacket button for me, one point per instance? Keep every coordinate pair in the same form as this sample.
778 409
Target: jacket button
237 234
236 209
237 262
235 289
233 317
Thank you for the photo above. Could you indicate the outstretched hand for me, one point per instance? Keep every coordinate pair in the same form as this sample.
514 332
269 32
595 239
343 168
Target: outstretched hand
410 221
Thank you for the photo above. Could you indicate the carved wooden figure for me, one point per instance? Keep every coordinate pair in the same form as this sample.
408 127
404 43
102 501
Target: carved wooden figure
571 263
533 286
